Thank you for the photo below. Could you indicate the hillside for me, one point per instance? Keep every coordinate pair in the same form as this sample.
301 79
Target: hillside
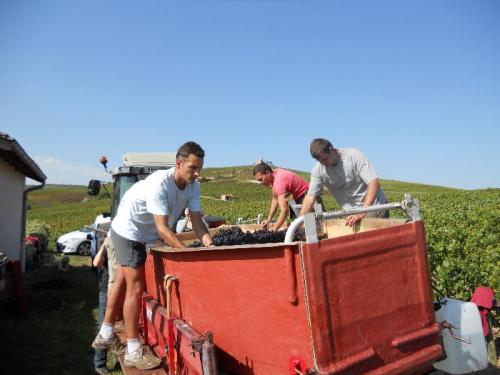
462 226
57 204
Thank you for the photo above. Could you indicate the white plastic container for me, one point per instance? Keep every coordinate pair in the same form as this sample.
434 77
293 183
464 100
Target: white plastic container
462 358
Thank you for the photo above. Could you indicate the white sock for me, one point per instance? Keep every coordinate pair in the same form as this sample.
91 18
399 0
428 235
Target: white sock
107 331
133 345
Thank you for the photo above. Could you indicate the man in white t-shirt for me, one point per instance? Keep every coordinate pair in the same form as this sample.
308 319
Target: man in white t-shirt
148 212
349 177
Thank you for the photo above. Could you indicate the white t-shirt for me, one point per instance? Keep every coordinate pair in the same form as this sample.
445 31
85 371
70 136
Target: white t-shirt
156 195
347 181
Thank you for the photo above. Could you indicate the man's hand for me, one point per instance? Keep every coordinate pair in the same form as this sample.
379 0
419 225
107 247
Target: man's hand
353 219
200 229
207 241
264 224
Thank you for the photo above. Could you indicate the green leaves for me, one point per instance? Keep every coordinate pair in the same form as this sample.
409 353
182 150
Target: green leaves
463 239
462 227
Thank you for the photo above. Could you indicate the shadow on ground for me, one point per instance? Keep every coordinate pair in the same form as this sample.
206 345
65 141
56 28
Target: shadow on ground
54 337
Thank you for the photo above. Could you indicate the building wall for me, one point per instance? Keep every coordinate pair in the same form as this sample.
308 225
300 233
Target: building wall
12 184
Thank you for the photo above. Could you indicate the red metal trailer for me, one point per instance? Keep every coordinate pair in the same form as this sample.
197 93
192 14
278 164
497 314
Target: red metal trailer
346 301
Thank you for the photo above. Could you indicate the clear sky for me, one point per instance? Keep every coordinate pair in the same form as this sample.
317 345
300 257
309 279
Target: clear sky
415 85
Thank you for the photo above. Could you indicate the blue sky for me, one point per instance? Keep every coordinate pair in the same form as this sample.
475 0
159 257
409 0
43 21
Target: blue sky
414 84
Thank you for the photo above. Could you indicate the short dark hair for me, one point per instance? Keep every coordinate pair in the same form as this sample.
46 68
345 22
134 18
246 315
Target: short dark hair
319 145
262 168
190 148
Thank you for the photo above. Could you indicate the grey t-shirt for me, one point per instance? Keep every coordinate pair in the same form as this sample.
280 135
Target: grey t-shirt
346 181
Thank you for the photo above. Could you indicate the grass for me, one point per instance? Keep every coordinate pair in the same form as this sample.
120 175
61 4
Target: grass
54 336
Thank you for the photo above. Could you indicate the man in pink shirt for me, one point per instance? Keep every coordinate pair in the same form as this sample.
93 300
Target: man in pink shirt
282 184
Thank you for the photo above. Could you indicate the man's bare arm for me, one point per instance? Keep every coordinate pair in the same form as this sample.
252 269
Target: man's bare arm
272 210
307 204
370 195
283 204
371 192
166 234
200 229
99 257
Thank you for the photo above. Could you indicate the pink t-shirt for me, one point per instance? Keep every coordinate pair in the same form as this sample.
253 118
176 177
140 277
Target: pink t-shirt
288 182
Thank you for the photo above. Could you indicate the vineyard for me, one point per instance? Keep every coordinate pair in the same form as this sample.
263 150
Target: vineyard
462 227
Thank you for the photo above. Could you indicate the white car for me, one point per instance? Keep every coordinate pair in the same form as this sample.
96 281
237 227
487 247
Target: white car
77 242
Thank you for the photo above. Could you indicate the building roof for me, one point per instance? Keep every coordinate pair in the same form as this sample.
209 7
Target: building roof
12 153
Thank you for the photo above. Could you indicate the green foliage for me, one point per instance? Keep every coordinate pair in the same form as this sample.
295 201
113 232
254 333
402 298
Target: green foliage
462 235
64 209
229 173
39 229
463 240
462 227
251 199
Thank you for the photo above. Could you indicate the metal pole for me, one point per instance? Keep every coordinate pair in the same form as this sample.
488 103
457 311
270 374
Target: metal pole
354 211
292 228
409 204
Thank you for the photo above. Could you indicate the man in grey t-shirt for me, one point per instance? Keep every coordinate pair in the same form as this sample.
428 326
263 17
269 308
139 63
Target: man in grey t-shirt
349 177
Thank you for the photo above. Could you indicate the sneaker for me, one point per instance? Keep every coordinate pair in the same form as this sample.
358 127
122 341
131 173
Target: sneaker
101 371
142 359
113 344
121 350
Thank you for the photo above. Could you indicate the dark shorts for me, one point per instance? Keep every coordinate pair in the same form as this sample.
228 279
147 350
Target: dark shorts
129 253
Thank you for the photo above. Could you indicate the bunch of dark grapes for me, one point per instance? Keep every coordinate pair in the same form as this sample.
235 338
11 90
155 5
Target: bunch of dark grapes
265 236
196 243
235 236
232 236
